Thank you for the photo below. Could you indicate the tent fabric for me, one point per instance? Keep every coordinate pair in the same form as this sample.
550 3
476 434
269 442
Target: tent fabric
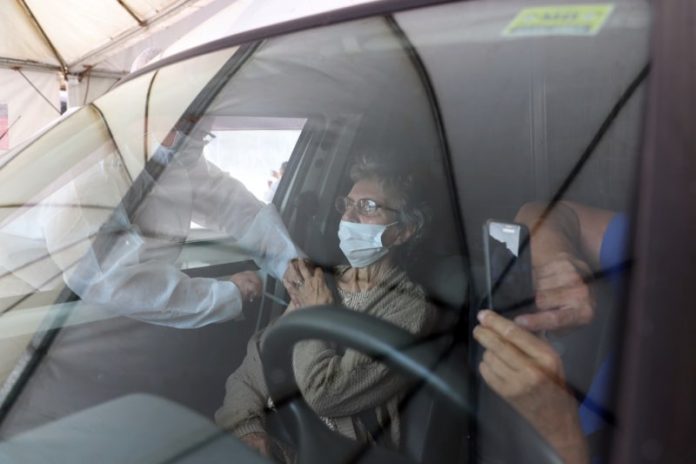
19 38
91 44
26 109
89 88
78 27
68 35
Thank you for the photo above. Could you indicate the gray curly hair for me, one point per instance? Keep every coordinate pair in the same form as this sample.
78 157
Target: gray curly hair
401 183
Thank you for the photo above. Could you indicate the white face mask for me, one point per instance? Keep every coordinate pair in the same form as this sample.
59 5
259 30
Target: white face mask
362 243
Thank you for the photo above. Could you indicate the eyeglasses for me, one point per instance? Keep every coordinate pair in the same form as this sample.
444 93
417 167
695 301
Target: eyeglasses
364 206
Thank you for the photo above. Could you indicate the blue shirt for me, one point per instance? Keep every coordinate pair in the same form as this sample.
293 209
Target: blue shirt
613 261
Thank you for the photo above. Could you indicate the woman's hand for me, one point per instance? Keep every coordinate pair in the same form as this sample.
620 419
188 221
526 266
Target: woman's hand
248 283
307 286
267 447
260 442
526 372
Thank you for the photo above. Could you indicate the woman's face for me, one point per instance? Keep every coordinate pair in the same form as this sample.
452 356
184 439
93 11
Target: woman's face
370 190
387 214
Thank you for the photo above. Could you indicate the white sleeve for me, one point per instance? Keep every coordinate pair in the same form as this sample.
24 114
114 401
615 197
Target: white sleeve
223 203
150 290
135 275
269 242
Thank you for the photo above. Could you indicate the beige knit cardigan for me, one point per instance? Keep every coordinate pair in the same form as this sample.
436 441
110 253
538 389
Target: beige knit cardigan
336 385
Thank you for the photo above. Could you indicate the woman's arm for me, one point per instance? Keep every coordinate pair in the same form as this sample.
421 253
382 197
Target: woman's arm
340 384
243 409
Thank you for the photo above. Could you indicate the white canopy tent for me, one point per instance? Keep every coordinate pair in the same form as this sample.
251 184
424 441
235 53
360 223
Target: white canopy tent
80 46
85 46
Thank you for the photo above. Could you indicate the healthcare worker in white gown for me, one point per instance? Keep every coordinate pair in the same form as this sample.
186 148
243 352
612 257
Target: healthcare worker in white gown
135 274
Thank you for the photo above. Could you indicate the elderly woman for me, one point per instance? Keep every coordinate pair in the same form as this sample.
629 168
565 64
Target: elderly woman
382 216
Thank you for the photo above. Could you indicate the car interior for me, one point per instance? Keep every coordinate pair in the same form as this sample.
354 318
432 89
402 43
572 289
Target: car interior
491 121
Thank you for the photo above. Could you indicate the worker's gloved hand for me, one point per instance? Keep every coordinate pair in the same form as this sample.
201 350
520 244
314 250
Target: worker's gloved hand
248 283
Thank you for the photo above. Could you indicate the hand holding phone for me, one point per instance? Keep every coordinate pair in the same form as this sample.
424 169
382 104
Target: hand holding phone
509 288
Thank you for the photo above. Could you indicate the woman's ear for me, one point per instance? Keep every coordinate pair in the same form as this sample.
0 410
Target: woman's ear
405 233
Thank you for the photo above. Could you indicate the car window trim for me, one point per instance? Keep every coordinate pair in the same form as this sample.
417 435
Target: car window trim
656 412
351 13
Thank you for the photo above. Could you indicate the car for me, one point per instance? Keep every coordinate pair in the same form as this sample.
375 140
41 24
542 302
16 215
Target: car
498 104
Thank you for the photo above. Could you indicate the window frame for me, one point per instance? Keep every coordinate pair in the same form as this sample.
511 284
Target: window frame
658 359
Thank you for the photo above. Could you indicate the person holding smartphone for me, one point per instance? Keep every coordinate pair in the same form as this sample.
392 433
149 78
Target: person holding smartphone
524 369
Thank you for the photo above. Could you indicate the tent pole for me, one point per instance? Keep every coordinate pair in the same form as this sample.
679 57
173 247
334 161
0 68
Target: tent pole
88 76
37 90
12 63
140 22
27 10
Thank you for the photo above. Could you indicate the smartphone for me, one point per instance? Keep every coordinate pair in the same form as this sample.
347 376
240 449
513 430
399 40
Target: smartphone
509 288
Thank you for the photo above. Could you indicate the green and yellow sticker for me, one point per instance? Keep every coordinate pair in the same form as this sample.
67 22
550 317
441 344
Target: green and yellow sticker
574 20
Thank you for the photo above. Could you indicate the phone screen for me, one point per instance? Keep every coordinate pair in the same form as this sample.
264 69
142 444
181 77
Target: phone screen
508 267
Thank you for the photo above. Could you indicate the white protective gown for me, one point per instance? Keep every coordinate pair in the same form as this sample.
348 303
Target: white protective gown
136 276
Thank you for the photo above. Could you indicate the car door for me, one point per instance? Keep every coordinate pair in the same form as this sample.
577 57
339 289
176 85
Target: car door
497 108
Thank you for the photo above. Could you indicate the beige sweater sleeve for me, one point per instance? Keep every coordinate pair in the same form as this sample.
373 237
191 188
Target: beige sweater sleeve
336 385
243 409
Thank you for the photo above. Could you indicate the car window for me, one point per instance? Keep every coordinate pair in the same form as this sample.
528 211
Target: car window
521 129
254 150
260 148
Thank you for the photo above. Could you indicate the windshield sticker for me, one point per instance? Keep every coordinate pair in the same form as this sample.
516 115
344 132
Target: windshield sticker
569 20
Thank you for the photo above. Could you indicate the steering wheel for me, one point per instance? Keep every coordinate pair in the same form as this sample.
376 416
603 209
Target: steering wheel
417 360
